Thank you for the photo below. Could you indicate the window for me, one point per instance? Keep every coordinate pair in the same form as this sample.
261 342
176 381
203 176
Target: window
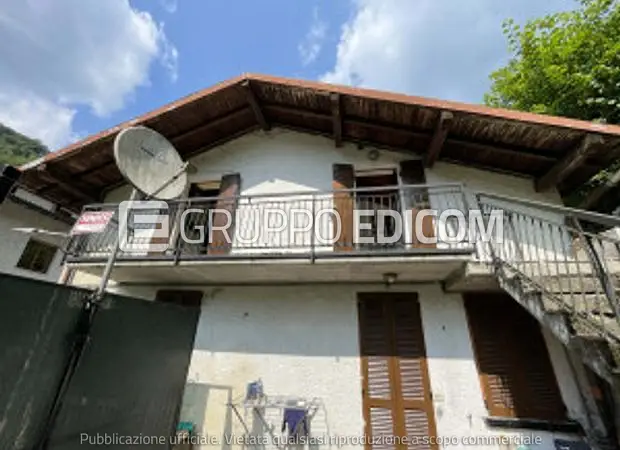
37 256
516 374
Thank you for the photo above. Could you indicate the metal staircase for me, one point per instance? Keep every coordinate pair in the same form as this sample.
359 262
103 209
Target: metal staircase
563 266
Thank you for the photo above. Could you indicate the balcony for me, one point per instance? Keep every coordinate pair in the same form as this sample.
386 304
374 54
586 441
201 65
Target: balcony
358 235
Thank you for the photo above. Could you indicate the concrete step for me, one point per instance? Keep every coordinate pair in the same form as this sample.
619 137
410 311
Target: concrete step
543 267
570 284
591 315
596 326
596 304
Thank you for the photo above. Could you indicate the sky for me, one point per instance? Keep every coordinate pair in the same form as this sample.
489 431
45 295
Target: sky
70 68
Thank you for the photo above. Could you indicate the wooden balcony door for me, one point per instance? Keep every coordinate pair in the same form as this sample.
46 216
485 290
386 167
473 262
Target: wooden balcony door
416 200
378 201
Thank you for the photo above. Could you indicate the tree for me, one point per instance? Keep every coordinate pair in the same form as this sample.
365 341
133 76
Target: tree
565 64
17 149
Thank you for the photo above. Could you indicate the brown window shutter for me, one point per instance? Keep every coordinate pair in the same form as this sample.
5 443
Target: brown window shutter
230 187
376 353
183 298
343 178
495 358
161 240
397 395
412 173
380 423
516 374
412 381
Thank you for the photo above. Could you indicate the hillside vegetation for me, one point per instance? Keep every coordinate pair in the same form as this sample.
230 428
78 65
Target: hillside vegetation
17 149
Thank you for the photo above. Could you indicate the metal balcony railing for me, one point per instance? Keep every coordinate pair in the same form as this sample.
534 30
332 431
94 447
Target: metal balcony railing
392 220
571 256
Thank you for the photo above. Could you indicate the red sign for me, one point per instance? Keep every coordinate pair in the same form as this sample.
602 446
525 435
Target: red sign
92 222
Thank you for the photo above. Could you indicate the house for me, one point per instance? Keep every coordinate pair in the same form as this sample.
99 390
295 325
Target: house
26 252
441 336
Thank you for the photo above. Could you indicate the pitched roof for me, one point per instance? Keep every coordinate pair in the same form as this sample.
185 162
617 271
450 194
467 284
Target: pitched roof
496 139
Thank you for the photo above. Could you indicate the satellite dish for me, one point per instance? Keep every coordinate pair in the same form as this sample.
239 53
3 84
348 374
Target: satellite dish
150 163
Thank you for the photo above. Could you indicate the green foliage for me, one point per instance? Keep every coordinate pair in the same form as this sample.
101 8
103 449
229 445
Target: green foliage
565 64
17 149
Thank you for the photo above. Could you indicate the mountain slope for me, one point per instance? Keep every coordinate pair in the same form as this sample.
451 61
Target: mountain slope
17 149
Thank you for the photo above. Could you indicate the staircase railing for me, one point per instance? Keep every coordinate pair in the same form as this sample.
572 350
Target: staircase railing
570 256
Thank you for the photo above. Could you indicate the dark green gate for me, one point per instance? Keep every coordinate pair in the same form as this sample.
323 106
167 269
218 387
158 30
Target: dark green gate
129 381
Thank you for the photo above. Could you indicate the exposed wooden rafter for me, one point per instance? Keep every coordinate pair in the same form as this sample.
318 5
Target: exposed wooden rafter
597 193
67 183
439 137
408 151
255 105
197 131
337 118
405 132
569 163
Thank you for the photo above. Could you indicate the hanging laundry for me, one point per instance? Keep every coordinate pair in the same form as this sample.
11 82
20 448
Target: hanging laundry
296 420
254 390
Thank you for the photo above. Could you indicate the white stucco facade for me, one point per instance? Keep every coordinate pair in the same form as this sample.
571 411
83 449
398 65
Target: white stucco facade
14 215
303 340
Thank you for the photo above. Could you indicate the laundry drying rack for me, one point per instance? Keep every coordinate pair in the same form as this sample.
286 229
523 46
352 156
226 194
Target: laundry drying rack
259 404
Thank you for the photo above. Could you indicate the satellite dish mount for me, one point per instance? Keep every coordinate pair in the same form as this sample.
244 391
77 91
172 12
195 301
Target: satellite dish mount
151 164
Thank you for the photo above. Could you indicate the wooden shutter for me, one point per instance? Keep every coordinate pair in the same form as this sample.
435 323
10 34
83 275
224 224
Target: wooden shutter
229 190
516 374
412 173
396 390
163 213
343 178
378 389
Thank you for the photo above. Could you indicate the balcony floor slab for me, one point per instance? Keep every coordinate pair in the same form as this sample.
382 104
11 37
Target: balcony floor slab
412 269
